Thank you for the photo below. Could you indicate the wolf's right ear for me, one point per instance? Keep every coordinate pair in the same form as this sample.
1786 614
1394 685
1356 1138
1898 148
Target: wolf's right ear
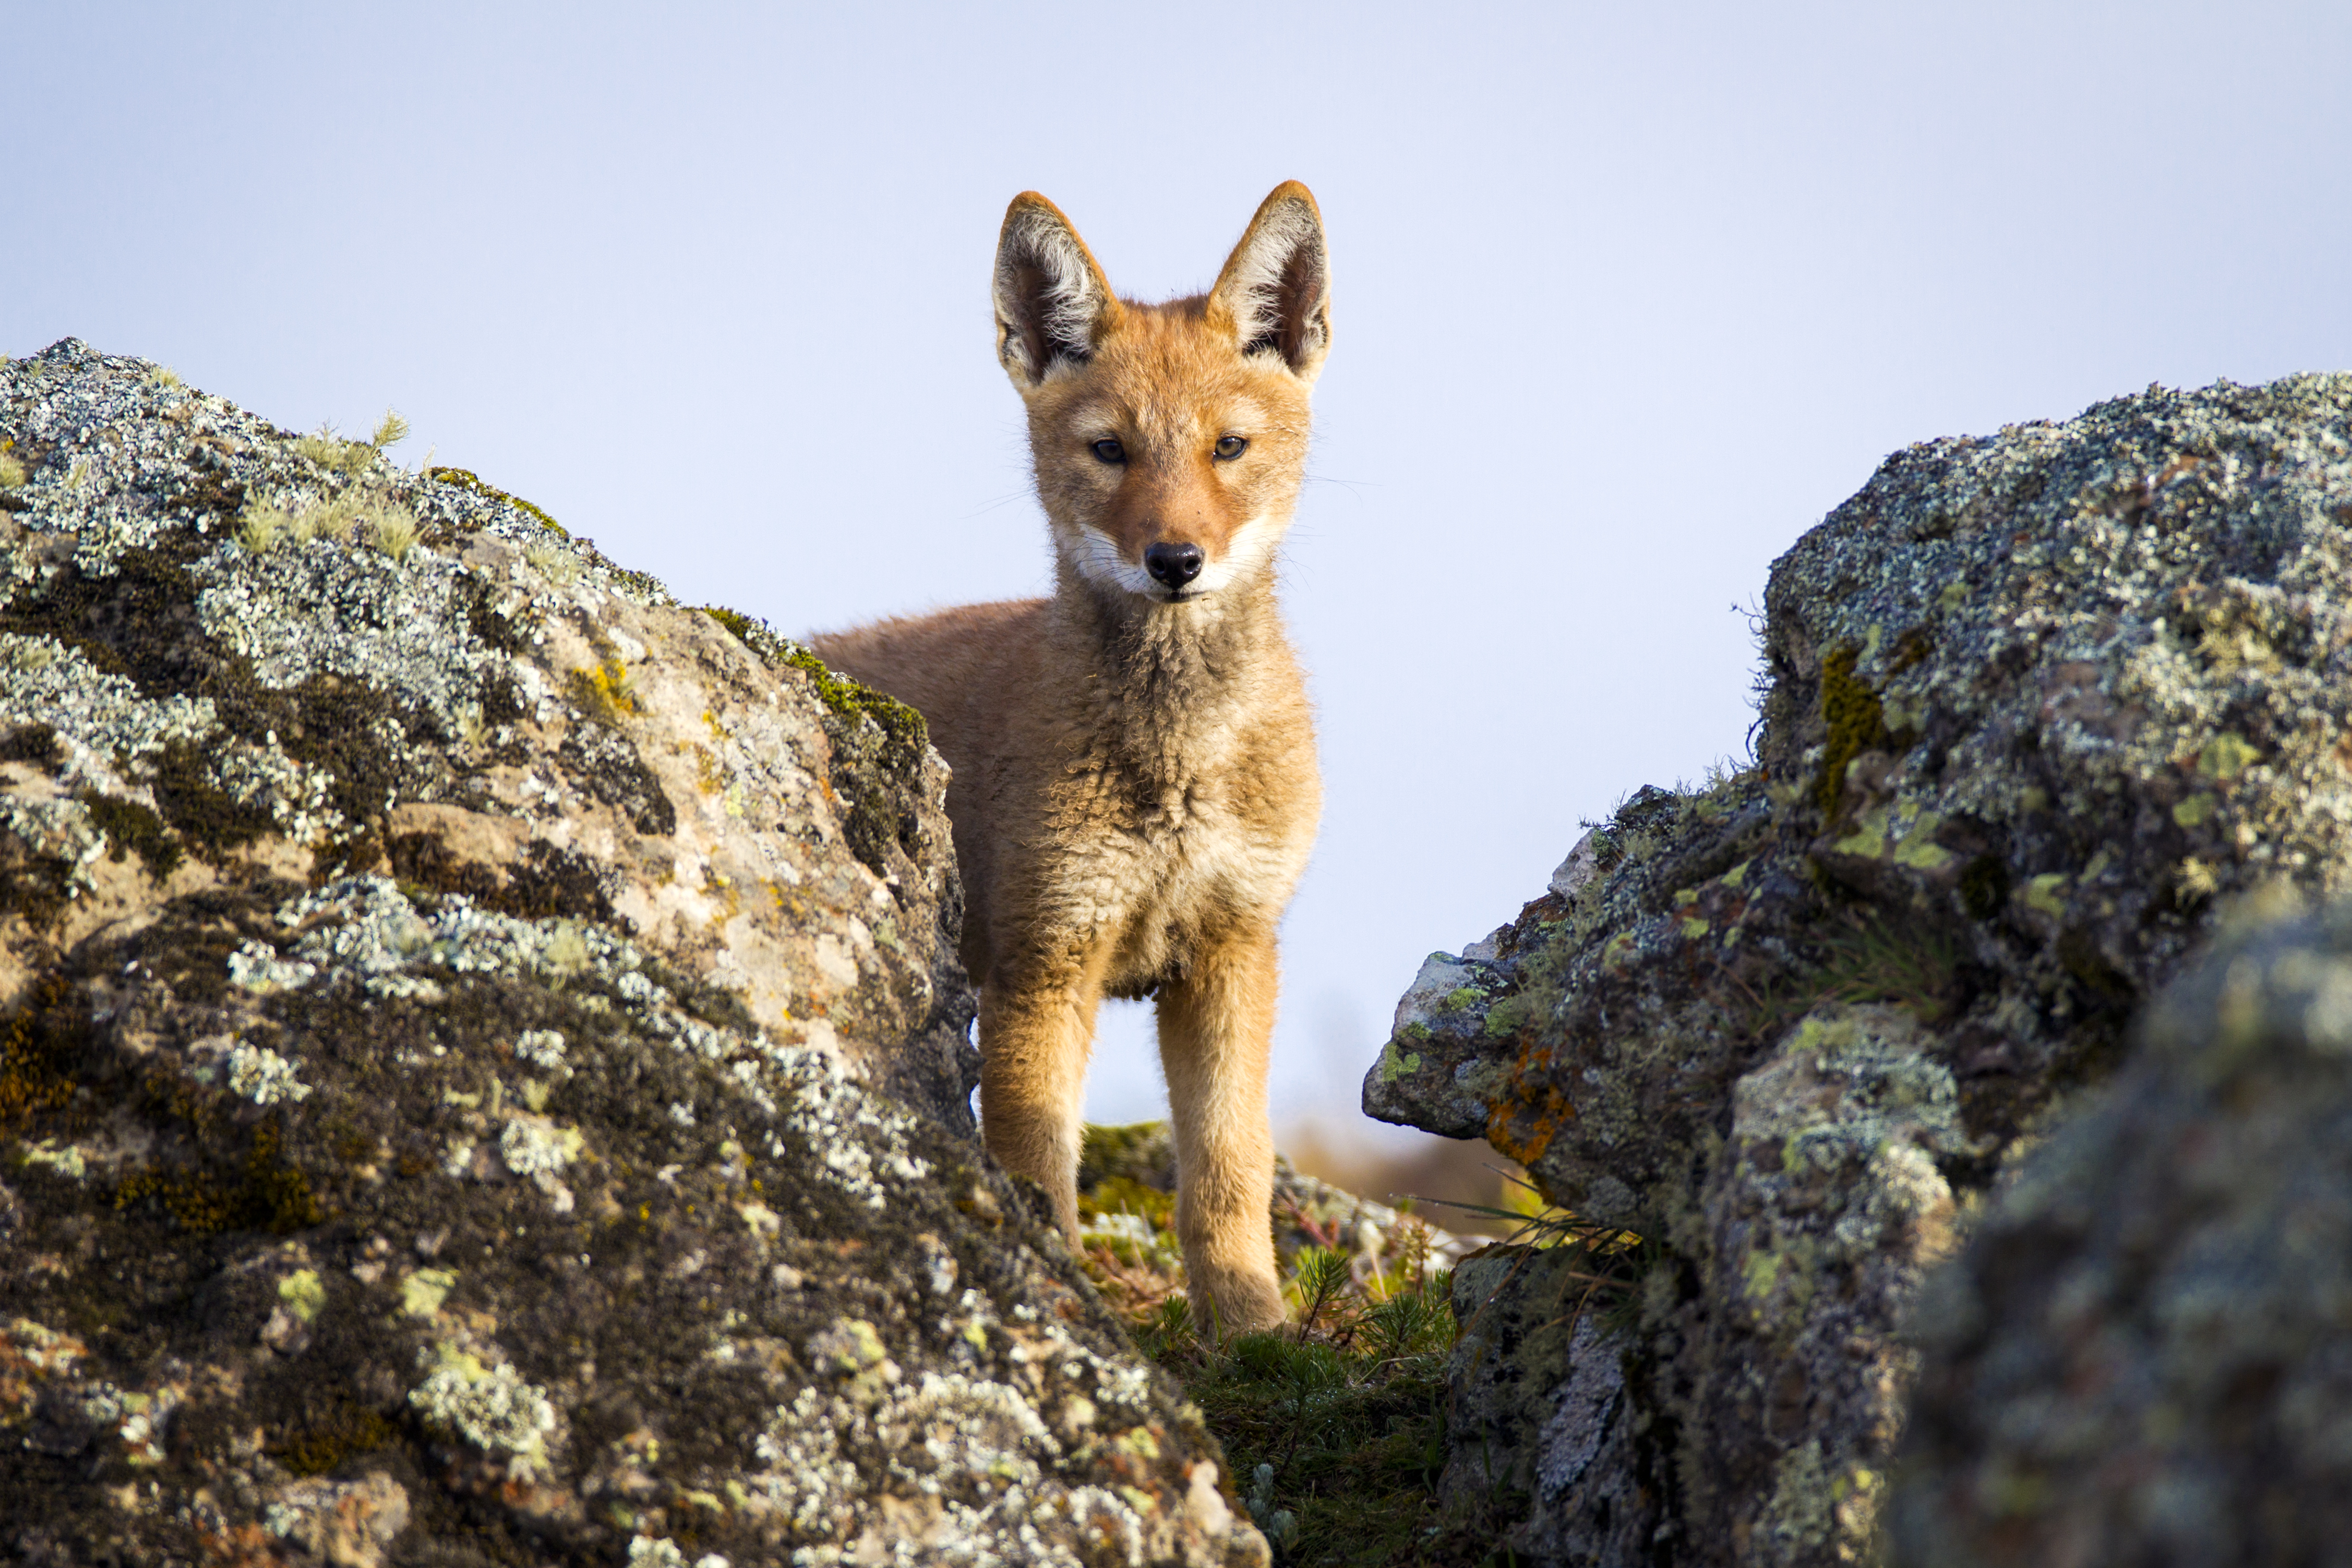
1052 301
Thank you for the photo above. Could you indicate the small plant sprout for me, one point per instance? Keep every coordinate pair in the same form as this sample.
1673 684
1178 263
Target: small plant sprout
307 523
550 561
1322 1274
393 527
163 378
260 527
321 446
333 453
12 470
1279 1524
390 430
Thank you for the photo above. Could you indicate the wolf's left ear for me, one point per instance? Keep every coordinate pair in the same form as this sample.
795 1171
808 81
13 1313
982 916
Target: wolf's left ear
1052 300
1276 286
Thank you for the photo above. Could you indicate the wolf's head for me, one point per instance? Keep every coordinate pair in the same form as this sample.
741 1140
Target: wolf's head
1169 440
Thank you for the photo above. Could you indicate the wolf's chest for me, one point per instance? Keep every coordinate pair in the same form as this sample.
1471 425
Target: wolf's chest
1151 887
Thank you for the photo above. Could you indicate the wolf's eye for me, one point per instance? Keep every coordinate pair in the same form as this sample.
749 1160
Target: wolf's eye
1230 448
1110 451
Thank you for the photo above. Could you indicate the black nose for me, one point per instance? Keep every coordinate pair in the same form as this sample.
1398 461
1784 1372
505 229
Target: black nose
1174 565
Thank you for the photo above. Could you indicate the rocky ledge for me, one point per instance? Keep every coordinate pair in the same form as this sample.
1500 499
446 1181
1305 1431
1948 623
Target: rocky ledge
2034 707
482 1060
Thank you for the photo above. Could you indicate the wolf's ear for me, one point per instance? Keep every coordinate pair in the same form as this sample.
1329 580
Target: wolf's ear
1052 302
1276 286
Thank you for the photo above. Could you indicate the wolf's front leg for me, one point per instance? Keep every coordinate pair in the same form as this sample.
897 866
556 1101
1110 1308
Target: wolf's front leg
1216 1030
1035 1031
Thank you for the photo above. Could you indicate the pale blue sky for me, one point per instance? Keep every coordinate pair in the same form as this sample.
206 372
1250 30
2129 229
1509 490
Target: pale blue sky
1625 299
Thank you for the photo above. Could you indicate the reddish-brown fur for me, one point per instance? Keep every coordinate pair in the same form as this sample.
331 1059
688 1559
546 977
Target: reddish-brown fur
1134 791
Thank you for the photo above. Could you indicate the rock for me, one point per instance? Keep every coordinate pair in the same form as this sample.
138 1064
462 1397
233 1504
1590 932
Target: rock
482 1059
2034 705
2145 1356
1539 1404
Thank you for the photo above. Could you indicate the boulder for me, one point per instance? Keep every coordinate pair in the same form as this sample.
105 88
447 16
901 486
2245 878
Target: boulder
2145 1356
2033 706
1536 1386
483 1073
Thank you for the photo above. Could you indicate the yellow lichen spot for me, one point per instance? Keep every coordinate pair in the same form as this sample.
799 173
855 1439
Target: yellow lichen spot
1693 929
1902 714
1921 852
1758 1274
1736 875
709 776
1685 898
605 691
1868 840
1854 722
421 1293
2226 755
1139 1441
2196 808
1395 1063
2042 894
1954 594
302 1294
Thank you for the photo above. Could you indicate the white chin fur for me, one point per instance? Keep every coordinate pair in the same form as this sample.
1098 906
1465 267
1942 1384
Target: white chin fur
1099 560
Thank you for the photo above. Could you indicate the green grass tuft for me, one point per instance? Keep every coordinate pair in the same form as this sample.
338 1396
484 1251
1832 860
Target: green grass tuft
1334 1425
333 453
261 526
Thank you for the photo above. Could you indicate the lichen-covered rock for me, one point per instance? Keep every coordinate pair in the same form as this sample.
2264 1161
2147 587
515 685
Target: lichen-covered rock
2146 1355
2033 705
1537 1389
482 1061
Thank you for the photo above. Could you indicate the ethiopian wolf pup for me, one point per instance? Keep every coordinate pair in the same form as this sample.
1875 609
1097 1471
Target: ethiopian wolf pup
1134 791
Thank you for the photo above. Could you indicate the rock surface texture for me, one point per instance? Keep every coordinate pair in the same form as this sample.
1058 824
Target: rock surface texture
2145 1355
2033 707
482 1063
